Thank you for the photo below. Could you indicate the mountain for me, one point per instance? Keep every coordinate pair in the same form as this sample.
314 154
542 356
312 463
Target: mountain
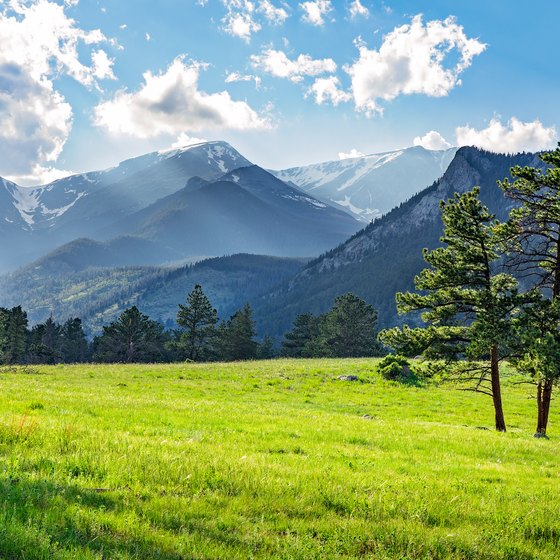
84 253
99 295
247 210
181 203
369 186
384 257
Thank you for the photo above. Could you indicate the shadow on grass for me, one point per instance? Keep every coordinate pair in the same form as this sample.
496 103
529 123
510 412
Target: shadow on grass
38 521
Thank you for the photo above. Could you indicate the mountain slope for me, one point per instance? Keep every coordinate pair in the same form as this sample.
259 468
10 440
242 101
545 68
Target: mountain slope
383 258
99 295
40 219
370 186
202 200
248 210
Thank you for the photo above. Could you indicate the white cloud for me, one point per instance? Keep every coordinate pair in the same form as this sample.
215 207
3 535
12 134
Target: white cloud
148 37
184 140
432 140
102 65
279 65
123 26
238 77
245 17
315 12
239 20
40 175
272 13
357 9
170 103
515 136
353 153
328 89
40 43
412 60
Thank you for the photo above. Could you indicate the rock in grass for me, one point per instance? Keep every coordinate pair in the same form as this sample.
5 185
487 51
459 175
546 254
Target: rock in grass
348 377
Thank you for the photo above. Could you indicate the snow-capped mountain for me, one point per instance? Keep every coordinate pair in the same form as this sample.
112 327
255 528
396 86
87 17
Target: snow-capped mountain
201 200
131 185
370 186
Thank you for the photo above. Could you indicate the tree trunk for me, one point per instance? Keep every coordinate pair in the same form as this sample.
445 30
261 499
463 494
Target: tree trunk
496 391
544 396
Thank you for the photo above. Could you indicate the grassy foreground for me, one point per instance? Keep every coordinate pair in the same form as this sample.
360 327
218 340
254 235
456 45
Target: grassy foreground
274 459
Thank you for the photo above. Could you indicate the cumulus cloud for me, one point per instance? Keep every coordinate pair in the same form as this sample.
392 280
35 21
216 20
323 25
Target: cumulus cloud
243 17
102 65
432 140
315 12
412 59
353 153
238 77
357 9
279 65
39 43
170 103
184 140
328 89
272 13
515 136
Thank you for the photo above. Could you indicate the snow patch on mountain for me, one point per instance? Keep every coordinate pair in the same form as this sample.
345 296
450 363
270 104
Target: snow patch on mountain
26 201
369 186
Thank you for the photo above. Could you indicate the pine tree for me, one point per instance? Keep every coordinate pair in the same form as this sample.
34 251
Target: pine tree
44 343
466 302
296 343
16 336
133 337
265 350
74 345
199 319
236 337
348 329
4 316
534 229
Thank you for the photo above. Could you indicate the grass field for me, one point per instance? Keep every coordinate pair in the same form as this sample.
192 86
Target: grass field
275 459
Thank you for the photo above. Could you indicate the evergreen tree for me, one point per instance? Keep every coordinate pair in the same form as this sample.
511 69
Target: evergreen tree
348 329
133 337
534 229
265 350
236 337
44 343
15 336
297 342
4 316
199 319
74 345
466 302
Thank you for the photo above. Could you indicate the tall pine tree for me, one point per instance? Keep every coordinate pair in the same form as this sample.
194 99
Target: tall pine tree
198 319
534 229
465 300
236 337
133 337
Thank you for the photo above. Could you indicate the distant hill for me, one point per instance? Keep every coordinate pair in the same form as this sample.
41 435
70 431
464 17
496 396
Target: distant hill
383 258
99 295
369 186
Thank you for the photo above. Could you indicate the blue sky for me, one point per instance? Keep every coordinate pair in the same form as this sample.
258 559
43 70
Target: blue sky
85 84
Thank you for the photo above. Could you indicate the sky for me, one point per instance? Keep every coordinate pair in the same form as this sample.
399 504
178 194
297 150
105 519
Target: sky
85 84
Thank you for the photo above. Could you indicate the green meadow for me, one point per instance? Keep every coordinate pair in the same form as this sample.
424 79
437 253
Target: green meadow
273 459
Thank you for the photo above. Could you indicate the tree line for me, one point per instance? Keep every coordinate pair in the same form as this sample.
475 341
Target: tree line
348 329
492 291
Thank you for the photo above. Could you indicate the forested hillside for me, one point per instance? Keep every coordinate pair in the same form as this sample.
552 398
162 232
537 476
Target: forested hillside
383 258
98 295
